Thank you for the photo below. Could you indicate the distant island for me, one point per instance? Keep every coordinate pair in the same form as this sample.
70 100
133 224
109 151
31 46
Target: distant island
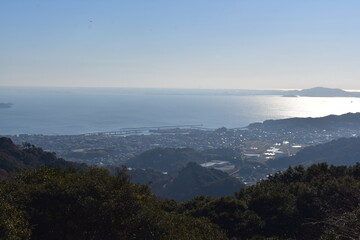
320 92
6 105
311 92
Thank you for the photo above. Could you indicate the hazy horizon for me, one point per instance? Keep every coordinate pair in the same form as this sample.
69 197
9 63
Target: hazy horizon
176 88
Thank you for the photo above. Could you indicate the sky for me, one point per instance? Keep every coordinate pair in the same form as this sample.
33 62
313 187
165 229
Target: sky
226 44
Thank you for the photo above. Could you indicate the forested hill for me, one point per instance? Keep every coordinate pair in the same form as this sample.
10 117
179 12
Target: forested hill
175 173
192 180
320 202
343 151
14 159
331 122
48 203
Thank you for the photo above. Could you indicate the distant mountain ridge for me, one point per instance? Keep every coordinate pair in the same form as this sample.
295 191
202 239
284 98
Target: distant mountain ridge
310 92
321 92
331 122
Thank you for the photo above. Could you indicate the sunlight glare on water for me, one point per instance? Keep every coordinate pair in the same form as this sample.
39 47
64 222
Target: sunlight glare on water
317 107
76 111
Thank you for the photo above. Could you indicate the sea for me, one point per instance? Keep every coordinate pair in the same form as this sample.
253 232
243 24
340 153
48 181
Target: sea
69 111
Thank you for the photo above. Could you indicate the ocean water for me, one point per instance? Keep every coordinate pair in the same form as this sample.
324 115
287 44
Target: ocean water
84 110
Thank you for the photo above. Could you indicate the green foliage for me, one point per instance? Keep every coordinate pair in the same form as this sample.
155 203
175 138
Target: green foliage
67 204
13 225
227 212
303 204
343 227
318 202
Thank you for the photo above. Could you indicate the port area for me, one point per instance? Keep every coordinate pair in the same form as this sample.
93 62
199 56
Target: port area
178 129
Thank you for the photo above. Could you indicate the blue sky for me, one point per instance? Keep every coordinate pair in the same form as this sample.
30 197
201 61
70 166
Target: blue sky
242 44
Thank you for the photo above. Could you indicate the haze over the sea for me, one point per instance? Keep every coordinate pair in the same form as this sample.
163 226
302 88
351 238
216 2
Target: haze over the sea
84 110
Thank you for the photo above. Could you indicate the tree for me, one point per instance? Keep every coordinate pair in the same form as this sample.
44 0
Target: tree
68 204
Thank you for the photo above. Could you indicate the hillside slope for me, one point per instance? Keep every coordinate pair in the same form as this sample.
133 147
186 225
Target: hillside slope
14 159
194 180
344 151
331 122
166 159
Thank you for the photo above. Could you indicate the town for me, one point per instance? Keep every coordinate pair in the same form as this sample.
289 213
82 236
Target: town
104 149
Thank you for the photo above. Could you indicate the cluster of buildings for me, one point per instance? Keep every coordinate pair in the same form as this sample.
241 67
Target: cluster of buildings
110 149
